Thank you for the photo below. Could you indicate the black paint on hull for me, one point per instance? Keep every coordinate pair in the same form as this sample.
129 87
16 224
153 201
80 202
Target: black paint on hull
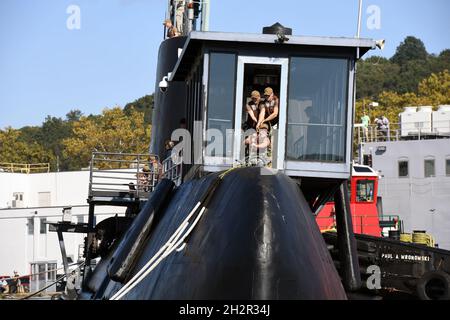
257 240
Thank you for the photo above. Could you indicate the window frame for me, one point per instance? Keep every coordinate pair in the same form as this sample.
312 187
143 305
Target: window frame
207 59
30 226
428 159
447 166
42 226
346 98
407 168
365 181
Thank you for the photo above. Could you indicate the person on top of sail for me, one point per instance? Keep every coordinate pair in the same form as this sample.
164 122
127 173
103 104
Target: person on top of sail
269 112
253 108
171 30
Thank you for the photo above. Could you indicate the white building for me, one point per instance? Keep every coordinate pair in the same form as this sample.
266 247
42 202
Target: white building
27 202
414 164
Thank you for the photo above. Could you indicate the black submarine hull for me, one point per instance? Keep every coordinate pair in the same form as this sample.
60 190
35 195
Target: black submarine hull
257 239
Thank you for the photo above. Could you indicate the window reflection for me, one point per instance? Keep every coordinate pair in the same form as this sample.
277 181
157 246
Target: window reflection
317 109
403 168
221 97
364 190
429 168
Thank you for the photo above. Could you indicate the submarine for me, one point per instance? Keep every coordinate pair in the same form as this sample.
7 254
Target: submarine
220 221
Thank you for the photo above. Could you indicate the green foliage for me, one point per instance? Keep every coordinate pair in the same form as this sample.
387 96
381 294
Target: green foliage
15 149
114 131
434 91
375 75
67 144
145 105
410 65
411 49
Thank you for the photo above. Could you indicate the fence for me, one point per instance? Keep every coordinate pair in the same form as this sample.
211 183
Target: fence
364 223
172 168
403 131
123 172
25 167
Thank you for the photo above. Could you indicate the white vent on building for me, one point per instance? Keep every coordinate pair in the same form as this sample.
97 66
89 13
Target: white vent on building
424 123
407 120
441 120
414 122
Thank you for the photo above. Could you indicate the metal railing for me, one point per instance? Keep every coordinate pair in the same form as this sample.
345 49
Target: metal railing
359 226
135 174
24 167
403 131
172 168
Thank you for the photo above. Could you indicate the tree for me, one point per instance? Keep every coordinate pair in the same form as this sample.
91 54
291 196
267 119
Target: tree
411 73
54 131
375 75
410 49
410 65
13 149
145 105
74 115
113 131
435 90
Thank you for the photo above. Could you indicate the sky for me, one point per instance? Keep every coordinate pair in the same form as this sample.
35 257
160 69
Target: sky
47 68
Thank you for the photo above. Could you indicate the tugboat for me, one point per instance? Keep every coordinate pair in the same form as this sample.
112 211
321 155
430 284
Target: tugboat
215 224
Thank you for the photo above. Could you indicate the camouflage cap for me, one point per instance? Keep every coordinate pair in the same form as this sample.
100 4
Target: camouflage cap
256 94
268 91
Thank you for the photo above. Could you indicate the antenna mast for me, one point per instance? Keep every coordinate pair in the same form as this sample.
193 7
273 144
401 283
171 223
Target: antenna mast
205 15
358 30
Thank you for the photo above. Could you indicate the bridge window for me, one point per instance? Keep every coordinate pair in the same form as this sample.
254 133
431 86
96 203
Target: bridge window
317 109
221 98
364 190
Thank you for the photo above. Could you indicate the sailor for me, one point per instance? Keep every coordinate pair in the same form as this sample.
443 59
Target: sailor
143 179
171 30
365 120
3 286
269 112
385 127
259 143
179 15
253 108
15 283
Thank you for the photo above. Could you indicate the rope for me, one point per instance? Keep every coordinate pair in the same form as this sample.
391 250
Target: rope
406 237
422 238
51 284
175 242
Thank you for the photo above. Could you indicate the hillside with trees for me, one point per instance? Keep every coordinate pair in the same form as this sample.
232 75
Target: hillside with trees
67 143
412 77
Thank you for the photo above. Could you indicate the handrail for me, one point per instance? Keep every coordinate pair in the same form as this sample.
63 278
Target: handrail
358 223
403 131
133 173
172 168
24 167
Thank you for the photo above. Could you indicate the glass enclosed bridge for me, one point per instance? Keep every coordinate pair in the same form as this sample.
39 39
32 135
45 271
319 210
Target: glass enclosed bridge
212 75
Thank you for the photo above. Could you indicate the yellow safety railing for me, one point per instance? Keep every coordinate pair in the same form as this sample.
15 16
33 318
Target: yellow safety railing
24 167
